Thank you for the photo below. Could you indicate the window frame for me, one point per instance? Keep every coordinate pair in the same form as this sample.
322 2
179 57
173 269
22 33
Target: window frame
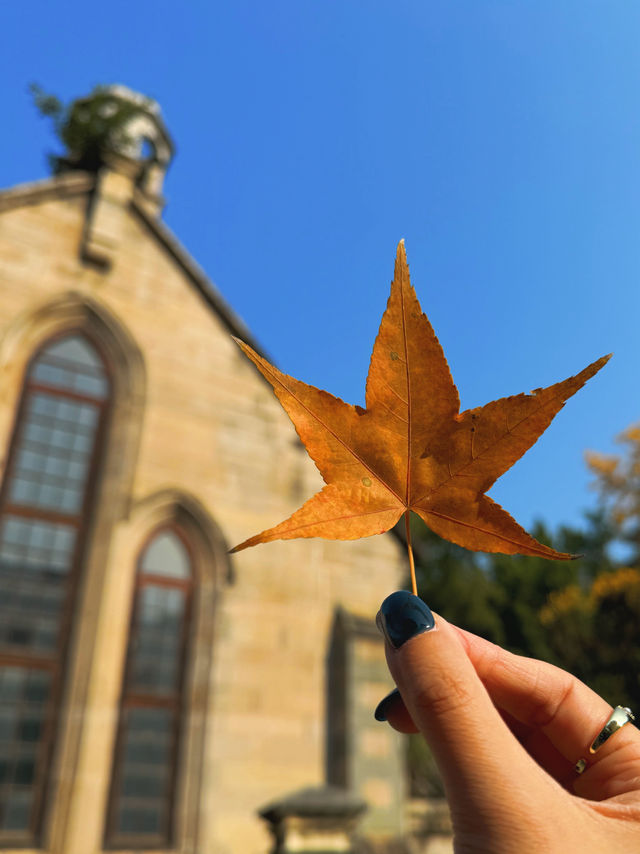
57 663
178 704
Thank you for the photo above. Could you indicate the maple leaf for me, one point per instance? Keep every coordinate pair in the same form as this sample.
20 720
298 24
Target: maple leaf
411 449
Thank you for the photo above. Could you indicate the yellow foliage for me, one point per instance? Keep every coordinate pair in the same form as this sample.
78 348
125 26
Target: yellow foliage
610 583
619 517
631 434
601 464
563 602
617 479
574 600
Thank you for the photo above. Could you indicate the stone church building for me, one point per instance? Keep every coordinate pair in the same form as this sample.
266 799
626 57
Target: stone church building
157 693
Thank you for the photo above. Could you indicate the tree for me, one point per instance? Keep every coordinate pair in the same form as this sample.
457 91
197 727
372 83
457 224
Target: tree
596 634
90 127
499 596
592 543
453 581
618 484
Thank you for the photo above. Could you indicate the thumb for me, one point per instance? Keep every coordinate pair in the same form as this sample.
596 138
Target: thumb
488 775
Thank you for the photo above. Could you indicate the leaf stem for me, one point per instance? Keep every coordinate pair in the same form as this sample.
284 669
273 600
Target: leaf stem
412 566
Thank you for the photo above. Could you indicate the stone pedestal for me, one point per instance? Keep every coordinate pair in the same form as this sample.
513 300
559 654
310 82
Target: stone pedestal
317 820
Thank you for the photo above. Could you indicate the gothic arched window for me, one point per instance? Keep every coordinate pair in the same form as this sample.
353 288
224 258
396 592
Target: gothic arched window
45 503
141 803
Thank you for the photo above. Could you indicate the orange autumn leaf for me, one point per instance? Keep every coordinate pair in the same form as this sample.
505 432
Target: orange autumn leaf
411 448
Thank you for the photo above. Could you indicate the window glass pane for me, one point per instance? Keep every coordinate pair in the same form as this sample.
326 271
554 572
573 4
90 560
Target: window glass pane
91 386
147 748
29 729
75 349
12 682
37 689
36 538
166 555
15 814
23 696
87 415
144 782
72 364
52 375
42 404
76 469
145 772
36 433
14 530
23 491
149 677
30 460
143 820
51 459
35 559
24 771
63 538
155 642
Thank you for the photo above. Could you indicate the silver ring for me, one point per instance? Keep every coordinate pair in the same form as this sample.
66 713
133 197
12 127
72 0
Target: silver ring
620 716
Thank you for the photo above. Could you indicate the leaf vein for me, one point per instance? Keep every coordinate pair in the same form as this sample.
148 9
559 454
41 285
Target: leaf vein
408 377
393 391
541 552
338 519
392 411
489 447
333 433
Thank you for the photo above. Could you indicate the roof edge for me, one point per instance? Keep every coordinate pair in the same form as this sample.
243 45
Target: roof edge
207 289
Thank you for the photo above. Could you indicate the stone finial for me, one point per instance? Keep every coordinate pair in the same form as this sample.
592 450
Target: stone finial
314 820
149 143
140 146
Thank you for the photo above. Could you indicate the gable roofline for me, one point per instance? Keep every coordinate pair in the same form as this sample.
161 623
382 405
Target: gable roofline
73 184
194 272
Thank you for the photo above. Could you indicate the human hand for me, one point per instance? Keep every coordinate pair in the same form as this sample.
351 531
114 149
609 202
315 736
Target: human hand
506 732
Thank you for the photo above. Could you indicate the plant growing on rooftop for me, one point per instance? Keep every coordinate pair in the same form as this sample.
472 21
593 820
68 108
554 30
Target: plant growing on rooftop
88 128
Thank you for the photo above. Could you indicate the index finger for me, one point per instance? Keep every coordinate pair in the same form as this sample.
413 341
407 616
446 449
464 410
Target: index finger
566 710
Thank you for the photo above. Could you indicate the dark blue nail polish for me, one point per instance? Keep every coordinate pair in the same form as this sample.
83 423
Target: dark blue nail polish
385 704
402 616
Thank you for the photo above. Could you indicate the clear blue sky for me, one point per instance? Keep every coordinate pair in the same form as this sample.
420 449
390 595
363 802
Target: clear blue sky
500 139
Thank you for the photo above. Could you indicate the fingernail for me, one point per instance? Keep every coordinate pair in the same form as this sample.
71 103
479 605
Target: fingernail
402 616
385 704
